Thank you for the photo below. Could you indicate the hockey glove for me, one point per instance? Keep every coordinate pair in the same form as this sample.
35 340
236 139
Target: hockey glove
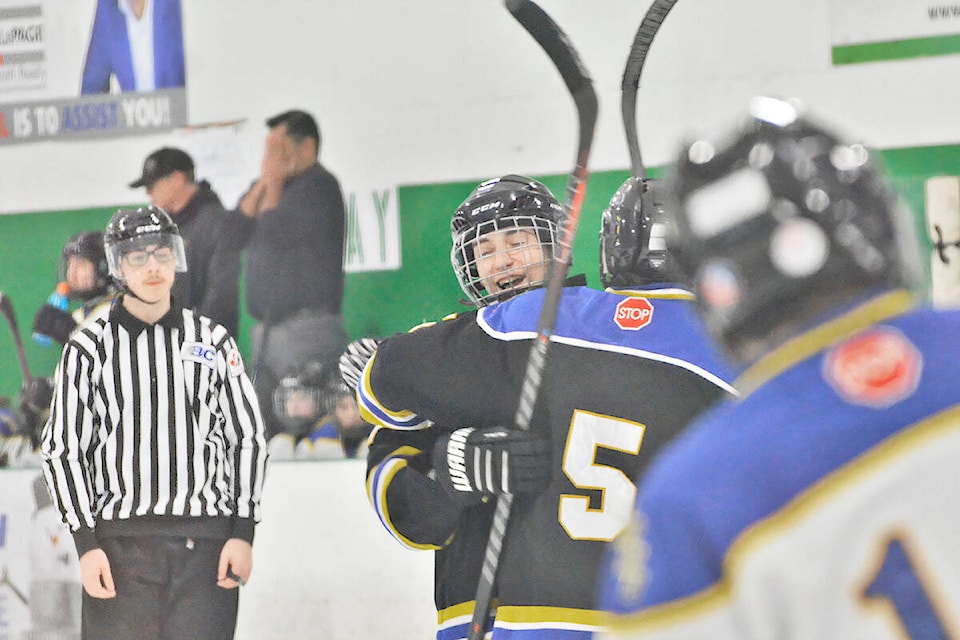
473 463
53 322
35 397
355 358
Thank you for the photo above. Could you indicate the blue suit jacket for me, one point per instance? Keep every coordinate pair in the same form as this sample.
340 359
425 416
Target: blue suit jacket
109 50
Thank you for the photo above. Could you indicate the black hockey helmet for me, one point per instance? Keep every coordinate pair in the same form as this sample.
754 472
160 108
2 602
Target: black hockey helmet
782 223
340 402
507 202
135 229
334 389
87 245
298 399
633 249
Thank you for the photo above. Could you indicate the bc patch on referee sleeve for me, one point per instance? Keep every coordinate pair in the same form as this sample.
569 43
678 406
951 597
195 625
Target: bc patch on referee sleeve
199 352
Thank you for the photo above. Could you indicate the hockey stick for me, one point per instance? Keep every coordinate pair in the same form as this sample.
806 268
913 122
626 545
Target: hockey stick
5 580
558 46
631 79
6 307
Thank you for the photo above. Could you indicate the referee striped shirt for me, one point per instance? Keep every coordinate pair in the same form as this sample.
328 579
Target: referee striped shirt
154 429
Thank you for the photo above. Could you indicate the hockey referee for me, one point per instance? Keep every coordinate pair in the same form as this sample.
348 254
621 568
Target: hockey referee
154 451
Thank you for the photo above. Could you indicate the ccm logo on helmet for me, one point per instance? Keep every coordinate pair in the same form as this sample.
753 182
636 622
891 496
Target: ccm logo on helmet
633 313
484 207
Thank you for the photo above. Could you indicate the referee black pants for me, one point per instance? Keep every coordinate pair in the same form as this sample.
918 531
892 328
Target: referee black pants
166 590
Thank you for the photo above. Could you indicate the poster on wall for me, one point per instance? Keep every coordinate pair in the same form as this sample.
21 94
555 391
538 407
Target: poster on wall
874 30
220 156
90 69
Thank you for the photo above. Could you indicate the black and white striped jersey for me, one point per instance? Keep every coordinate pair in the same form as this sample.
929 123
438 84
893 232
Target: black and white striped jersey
157 424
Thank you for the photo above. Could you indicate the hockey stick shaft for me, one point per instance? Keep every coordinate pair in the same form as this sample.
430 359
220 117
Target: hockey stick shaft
558 46
631 79
5 580
6 307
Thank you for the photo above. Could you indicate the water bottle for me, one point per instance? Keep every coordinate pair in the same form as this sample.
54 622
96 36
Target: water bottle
59 300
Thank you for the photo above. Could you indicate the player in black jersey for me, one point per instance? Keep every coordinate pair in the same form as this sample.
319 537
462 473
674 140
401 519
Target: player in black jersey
624 371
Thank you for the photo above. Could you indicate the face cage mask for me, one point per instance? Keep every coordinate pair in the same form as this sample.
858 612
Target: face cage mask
116 250
297 406
522 262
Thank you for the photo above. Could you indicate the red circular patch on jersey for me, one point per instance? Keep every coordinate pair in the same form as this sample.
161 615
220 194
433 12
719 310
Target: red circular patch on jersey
633 313
877 368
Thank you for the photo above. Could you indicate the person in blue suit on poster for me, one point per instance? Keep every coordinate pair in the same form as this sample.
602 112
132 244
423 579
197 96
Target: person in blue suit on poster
822 502
139 43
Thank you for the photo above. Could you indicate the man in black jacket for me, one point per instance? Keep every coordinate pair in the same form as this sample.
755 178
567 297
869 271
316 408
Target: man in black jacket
211 287
291 224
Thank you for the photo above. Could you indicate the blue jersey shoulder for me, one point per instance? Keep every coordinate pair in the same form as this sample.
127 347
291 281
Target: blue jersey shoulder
325 431
662 324
791 432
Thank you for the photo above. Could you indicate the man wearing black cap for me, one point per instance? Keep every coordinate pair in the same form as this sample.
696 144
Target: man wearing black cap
211 285
291 223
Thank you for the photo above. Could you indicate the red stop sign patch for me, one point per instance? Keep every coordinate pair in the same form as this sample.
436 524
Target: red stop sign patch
877 368
633 313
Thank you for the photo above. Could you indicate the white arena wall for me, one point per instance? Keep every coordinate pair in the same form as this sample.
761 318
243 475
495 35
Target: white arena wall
427 91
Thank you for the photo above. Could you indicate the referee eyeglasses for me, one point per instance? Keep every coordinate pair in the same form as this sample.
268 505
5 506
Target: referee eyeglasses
163 255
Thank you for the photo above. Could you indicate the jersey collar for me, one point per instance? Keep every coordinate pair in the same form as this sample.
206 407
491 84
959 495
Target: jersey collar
172 319
805 345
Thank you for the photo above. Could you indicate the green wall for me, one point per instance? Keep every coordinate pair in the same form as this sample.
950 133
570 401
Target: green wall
377 303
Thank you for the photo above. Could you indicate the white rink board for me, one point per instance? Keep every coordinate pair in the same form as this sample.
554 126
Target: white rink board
323 566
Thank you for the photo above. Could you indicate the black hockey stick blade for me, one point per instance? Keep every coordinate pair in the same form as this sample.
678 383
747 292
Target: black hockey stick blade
631 79
561 51
6 307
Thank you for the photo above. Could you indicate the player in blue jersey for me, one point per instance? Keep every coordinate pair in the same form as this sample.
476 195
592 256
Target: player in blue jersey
822 502
445 396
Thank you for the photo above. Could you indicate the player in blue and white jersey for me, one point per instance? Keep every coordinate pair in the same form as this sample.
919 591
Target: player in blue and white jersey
822 502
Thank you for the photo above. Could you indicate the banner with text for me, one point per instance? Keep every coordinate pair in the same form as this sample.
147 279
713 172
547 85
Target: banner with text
873 30
373 230
90 68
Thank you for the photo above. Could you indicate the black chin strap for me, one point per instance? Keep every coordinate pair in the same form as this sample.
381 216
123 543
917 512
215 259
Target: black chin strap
127 291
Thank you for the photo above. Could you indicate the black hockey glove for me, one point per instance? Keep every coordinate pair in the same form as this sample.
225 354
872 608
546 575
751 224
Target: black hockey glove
355 358
36 394
35 397
53 322
473 463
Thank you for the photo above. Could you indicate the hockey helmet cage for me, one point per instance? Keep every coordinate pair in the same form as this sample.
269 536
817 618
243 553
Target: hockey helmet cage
504 203
298 399
633 228
780 224
335 389
136 229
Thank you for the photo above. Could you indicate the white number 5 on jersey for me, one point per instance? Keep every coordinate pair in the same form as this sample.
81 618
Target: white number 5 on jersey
588 432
